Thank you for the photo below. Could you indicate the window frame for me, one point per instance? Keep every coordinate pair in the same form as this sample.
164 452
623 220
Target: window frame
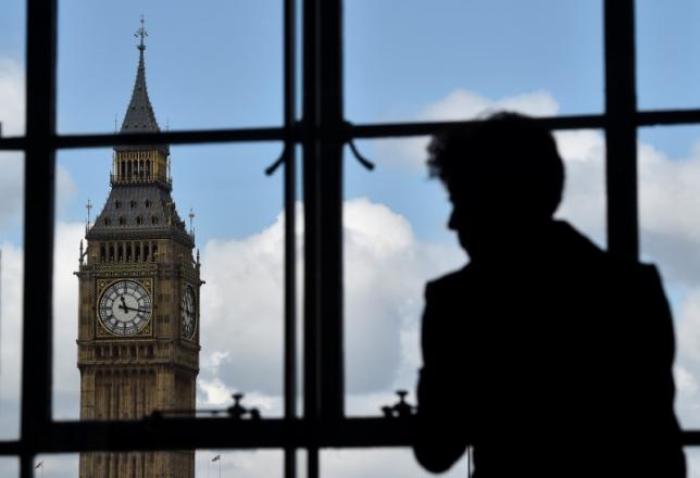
322 133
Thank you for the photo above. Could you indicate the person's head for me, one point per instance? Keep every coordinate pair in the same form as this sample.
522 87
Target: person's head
504 176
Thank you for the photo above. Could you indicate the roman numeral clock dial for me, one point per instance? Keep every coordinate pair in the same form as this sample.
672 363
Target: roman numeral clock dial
125 308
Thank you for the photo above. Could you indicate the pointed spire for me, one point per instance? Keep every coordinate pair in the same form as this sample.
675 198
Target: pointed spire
140 117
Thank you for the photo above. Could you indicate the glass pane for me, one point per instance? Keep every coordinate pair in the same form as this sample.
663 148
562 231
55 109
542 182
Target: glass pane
202 464
371 463
243 464
9 467
668 48
692 456
64 465
669 176
11 289
12 68
396 239
137 305
224 72
451 59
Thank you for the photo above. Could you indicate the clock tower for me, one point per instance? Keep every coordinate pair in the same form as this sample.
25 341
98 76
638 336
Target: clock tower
138 332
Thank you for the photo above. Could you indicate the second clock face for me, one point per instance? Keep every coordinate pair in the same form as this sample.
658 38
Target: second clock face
125 308
189 312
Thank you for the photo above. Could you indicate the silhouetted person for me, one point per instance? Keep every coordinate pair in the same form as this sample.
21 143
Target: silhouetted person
550 355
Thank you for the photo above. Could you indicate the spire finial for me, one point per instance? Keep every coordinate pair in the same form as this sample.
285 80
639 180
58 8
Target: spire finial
88 206
141 32
191 216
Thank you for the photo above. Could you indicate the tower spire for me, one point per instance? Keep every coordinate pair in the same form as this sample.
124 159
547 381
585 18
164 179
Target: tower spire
141 32
139 117
141 163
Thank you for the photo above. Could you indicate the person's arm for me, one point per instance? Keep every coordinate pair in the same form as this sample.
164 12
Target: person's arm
440 435
654 375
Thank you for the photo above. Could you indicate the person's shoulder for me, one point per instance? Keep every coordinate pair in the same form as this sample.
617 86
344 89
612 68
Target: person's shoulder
624 267
449 282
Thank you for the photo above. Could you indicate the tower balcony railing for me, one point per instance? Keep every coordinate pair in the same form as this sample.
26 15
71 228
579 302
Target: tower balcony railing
133 179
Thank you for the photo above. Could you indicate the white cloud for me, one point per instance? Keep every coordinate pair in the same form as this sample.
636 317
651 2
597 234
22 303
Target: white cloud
11 190
463 105
11 277
386 269
460 105
12 111
65 309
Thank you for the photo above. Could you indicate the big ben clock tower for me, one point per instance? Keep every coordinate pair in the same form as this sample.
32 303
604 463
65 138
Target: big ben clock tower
138 337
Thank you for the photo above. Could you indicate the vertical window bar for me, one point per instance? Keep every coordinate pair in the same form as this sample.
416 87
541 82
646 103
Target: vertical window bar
621 132
312 258
331 208
290 324
38 226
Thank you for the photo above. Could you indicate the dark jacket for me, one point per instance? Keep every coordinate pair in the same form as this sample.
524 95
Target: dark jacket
554 363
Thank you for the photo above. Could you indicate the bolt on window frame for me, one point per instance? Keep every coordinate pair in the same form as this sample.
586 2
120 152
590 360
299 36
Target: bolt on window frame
322 132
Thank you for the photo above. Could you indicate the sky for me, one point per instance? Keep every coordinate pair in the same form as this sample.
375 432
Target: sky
217 63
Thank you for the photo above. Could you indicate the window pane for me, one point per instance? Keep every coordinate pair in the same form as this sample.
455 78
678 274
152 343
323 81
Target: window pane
9 467
669 176
203 463
396 239
668 48
416 62
692 456
243 464
137 302
371 463
60 466
11 289
12 68
210 64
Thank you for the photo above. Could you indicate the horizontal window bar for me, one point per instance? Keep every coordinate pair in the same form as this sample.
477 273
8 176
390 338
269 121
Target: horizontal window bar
423 129
295 134
170 137
667 117
188 433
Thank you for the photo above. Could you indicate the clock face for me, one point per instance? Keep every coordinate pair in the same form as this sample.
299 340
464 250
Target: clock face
125 308
189 312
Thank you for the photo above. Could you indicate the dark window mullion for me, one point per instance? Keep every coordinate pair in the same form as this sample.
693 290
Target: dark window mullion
312 259
290 283
621 131
331 208
38 227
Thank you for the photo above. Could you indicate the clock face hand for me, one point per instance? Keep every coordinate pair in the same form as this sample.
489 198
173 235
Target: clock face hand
126 308
132 308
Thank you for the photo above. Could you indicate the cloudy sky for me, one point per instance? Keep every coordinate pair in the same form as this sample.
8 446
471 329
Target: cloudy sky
218 64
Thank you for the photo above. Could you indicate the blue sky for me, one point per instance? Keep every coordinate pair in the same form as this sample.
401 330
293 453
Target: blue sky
217 63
